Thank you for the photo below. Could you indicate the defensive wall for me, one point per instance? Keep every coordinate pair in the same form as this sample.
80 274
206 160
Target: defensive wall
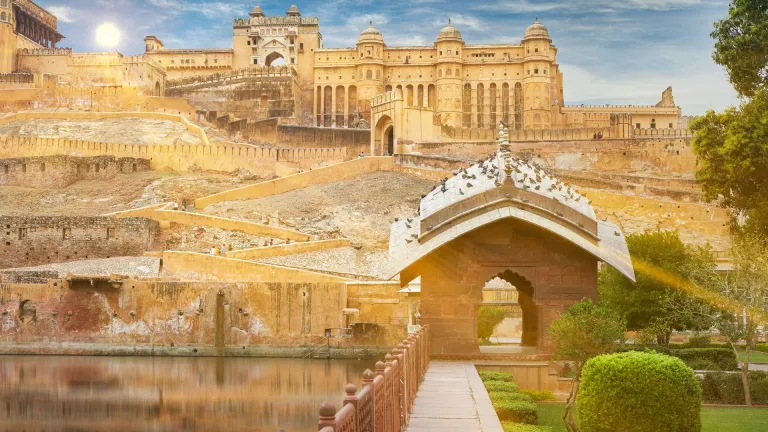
165 217
287 249
191 127
120 315
56 172
34 240
179 157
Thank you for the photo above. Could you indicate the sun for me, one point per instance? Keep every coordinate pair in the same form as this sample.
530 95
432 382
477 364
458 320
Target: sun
107 35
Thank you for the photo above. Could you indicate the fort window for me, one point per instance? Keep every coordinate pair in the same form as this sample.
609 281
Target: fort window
23 168
5 169
3 16
637 126
66 233
22 233
536 50
653 123
449 52
96 168
110 233
670 125
42 167
535 71
4 3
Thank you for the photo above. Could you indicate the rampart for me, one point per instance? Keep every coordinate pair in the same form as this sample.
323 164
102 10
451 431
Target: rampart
34 240
56 172
226 157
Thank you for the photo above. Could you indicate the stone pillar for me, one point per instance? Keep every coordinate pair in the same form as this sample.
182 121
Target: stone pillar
473 105
333 105
314 106
322 106
346 106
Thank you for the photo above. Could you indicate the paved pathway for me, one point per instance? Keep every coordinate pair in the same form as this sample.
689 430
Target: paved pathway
452 398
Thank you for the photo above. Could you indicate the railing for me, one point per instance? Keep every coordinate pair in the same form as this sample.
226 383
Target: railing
386 400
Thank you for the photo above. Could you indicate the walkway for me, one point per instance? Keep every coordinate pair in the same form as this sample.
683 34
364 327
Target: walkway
452 398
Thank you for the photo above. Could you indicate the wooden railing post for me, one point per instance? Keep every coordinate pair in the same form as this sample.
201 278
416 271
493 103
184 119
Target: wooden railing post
380 398
327 416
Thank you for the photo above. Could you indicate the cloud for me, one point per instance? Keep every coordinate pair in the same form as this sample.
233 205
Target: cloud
599 6
462 20
63 13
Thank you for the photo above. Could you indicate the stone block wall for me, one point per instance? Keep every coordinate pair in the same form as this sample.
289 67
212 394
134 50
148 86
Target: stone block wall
59 171
34 240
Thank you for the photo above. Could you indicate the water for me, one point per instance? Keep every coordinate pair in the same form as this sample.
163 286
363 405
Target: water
68 393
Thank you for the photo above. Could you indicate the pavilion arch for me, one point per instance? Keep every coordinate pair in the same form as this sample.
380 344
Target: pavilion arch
525 296
274 59
384 135
158 91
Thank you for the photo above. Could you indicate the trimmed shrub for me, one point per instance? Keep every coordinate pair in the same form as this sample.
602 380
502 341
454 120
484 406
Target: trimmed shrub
538 396
509 396
488 318
638 392
522 427
516 410
724 358
501 387
726 388
699 341
761 347
703 364
495 376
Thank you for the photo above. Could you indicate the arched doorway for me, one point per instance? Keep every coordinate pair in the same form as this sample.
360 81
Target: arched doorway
384 136
274 59
158 91
530 325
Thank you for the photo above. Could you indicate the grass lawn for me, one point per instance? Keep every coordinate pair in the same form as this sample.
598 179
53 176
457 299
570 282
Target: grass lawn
713 419
755 357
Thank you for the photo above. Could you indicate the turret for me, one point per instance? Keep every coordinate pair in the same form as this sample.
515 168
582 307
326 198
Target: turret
152 43
370 66
449 47
537 81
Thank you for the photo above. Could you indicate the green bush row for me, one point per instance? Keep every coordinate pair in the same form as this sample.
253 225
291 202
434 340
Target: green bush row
510 396
723 359
501 386
522 427
538 396
495 376
516 410
726 388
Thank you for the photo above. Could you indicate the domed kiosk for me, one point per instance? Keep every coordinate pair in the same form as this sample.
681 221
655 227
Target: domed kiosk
502 217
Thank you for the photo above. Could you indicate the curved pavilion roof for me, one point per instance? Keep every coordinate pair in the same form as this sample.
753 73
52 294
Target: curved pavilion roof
500 187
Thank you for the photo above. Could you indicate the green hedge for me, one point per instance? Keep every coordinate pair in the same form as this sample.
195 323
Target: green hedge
516 410
495 376
538 396
638 392
726 388
522 427
698 358
510 396
501 386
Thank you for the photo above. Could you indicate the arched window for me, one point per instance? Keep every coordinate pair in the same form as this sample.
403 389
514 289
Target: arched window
368 74
439 73
447 72
653 123
4 3
2 16
458 74
378 74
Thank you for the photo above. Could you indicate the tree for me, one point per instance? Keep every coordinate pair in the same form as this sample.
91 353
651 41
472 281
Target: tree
488 318
741 45
732 149
585 331
650 302
740 297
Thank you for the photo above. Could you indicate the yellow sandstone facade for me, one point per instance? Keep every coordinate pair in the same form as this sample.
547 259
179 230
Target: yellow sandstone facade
24 25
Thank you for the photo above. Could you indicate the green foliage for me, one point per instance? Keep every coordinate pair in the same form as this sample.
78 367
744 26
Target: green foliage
501 386
761 347
495 376
488 318
727 388
586 330
516 410
724 358
699 341
538 396
510 396
638 392
732 150
651 302
742 45
522 427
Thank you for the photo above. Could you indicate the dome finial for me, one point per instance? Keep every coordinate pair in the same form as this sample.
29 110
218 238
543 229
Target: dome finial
449 20
537 20
370 23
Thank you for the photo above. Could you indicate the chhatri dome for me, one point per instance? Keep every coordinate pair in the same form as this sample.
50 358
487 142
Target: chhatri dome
257 12
449 32
537 30
293 11
371 35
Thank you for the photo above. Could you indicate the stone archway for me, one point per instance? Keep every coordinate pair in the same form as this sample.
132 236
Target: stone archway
274 59
527 305
158 91
384 136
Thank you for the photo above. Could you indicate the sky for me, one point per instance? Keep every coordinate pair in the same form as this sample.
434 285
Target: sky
610 51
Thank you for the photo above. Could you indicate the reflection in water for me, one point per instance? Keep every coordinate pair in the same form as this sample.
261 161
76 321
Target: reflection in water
46 393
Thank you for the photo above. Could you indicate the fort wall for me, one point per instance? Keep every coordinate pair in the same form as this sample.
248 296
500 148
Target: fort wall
34 240
179 157
56 172
287 249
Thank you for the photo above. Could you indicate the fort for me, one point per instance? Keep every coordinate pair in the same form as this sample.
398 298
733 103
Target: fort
280 198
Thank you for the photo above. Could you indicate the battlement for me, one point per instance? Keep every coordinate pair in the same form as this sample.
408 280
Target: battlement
392 96
46 52
252 71
276 20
